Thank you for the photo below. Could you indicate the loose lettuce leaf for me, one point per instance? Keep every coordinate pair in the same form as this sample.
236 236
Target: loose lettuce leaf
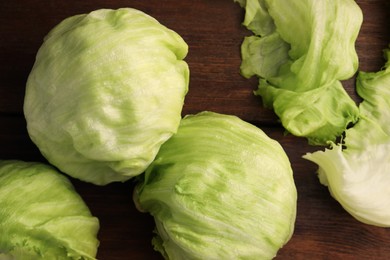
42 216
219 189
106 90
257 19
301 50
357 170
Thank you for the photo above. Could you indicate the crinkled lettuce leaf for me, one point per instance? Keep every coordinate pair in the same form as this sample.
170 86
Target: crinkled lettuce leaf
301 50
106 90
219 189
357 171
42 216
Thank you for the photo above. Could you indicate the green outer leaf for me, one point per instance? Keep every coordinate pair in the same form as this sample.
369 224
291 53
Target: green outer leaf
317 116
257 19
358 175
106 90
42 216
219 189
309 50
263 56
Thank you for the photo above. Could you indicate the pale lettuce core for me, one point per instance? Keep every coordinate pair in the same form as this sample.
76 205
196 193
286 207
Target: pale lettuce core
357 171
219 189
300 51
42 216
106 90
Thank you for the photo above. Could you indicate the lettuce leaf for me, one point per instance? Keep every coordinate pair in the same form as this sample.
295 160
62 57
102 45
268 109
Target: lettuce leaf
301 50
357 171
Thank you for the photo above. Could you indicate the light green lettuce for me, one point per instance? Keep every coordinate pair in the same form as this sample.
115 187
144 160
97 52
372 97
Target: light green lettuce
106 90
301 50
219 189
357 171
42 216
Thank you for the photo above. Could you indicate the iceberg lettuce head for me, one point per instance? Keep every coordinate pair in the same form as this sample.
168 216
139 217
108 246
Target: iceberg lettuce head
42 216
219 189
106 90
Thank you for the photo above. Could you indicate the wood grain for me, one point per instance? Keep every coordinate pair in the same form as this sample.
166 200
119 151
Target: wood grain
214 33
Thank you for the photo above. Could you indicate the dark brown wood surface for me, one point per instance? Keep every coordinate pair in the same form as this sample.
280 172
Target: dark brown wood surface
214 33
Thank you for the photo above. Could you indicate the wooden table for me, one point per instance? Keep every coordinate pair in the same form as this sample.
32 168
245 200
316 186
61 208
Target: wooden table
214 33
